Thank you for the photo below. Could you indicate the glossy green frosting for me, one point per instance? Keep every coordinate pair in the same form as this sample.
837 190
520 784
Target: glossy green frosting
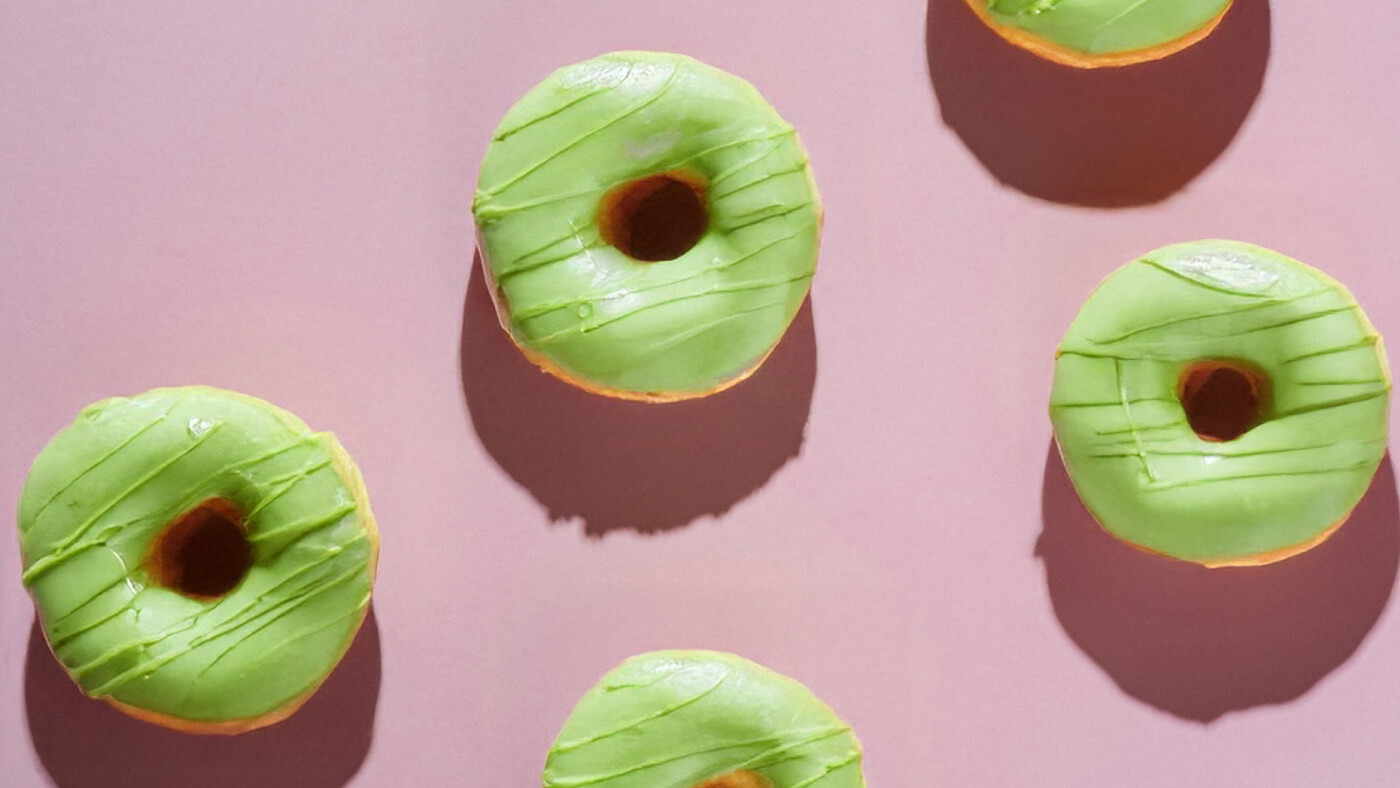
683 325
1103 27
1137 463
675 719
107 485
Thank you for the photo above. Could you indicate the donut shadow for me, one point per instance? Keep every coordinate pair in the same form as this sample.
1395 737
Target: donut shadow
1199 643
1108 137
83 742
620 465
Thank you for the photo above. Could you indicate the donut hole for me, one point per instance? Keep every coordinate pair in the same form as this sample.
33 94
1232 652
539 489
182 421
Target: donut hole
1223 399
205 553
657 218
736 780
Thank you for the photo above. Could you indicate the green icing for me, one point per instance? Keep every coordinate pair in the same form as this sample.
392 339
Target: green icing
107 485
682 325
1135 460
1105 27
675 719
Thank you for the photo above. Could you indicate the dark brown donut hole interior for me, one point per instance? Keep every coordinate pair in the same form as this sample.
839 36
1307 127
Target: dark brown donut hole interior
205 553
1223 399
740 779
660 217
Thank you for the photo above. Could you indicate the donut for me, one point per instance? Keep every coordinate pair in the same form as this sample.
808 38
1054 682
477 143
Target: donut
1097 33
198 558
702 719
1220 403
649 226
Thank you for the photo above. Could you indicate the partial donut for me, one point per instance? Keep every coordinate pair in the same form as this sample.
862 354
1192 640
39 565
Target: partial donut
702 719
1097 33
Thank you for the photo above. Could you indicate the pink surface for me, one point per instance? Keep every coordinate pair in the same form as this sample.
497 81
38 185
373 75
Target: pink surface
274 196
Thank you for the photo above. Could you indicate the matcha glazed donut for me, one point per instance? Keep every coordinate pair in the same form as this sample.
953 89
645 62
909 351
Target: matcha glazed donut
1095 33
702 719
1220 403
198 558
649 225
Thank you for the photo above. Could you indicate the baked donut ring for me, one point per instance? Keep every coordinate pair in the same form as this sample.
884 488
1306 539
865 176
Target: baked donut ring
1097 33
198 558
1220 403
702 719
649 226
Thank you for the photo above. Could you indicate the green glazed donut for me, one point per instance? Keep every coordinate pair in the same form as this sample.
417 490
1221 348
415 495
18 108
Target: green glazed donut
1094 33
1220 403
198 558
649 224
702 719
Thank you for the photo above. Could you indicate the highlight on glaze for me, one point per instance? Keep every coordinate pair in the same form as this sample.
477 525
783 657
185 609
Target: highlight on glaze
702 719
649 226
1098 33
198 558
1221 403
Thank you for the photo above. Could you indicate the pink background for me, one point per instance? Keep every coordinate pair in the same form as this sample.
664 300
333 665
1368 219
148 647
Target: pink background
274 197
